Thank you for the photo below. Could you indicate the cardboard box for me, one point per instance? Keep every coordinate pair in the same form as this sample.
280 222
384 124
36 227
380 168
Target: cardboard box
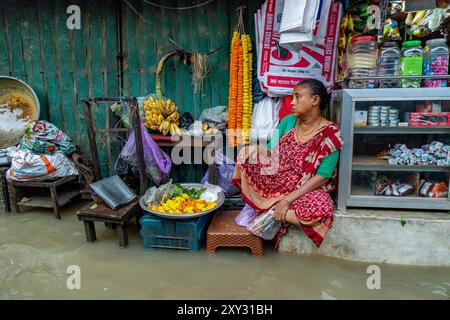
360 118
429 119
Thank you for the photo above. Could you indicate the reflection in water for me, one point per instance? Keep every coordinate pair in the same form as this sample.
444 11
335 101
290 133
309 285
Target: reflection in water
36 249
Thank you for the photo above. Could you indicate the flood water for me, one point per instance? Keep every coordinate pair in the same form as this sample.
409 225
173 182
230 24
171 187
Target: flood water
36 250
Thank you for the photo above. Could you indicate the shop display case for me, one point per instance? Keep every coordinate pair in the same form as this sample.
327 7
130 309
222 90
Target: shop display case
396 147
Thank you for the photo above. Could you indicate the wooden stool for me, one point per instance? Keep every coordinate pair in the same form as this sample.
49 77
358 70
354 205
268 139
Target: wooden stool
115 218
224 232
60 192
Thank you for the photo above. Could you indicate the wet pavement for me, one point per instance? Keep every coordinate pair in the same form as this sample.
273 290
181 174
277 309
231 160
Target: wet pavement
36 249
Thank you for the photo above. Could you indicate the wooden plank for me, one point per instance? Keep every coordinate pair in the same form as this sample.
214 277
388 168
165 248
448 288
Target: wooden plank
178 31
15 45
111 46
104 213
92 140
193 99
149 60
25 42
44 184
141 47
5 62
184 75
80 44
173 66
139 147
222 67
126 66
96 83
192 102
214 42
131 56
203 32
48 38
64 70
33 50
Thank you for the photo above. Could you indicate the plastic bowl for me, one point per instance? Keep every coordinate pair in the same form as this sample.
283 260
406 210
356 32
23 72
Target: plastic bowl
179 216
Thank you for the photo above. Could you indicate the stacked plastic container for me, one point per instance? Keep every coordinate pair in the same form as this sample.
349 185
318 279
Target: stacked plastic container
436 58
389 64
411 63
362 61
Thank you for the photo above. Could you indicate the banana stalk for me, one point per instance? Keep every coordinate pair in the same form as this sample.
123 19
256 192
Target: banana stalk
160 69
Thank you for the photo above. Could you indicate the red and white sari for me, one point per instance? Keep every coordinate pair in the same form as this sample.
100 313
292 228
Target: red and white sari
297 163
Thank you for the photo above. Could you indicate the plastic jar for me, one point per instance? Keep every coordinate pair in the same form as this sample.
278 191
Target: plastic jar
435 62
389 63
411 63
362 57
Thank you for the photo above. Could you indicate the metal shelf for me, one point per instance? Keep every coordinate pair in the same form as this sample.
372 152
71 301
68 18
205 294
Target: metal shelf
369 163
398 202
404 130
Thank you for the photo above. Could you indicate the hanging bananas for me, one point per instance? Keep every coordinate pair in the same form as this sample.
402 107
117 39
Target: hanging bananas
162 115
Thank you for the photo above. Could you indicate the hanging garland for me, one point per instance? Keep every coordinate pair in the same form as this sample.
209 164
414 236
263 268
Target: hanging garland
240 100
247 88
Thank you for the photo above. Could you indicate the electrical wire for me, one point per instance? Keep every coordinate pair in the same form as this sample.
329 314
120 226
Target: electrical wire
208 53
178 8
136 12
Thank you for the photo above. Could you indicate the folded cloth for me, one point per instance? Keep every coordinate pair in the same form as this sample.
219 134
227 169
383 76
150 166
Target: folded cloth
113 191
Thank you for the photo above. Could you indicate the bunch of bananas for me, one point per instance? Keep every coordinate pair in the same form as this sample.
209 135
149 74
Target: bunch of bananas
162 115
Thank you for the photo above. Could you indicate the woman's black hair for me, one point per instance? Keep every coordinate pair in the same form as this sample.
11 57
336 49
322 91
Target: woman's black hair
317 88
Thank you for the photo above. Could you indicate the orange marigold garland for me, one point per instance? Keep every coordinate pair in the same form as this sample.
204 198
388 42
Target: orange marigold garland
240 100
233 93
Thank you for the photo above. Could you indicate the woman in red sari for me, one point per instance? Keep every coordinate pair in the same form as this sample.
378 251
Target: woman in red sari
296 176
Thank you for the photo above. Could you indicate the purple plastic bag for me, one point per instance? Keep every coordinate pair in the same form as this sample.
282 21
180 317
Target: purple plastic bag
157 162
225 170
246 216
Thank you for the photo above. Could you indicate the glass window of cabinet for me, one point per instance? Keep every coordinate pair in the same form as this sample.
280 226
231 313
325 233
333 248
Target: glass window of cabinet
397 148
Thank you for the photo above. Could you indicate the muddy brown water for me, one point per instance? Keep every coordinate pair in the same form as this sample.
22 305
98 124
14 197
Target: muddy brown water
36 250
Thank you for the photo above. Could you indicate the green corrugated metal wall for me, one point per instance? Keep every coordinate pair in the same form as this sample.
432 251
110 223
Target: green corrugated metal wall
64 66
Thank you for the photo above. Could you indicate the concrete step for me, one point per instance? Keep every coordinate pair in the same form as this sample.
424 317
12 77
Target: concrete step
379 236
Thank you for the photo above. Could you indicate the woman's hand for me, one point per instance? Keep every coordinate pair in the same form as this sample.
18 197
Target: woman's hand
281 209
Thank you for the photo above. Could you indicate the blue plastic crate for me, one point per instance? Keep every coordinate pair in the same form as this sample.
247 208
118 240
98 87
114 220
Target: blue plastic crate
173 234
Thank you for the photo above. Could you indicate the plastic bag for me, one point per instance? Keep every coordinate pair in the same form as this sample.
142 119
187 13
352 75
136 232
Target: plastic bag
157 162
196 129
45 138
225 170
217 114
265 226
246 216
186 120
211 193
265 118
27 166
157 195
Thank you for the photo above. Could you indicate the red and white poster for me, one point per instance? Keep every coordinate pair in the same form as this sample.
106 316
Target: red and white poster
280 69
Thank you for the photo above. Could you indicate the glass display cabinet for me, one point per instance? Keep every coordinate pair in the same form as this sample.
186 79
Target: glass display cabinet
396 147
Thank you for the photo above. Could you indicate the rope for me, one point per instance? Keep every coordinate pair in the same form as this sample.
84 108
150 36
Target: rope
178 8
